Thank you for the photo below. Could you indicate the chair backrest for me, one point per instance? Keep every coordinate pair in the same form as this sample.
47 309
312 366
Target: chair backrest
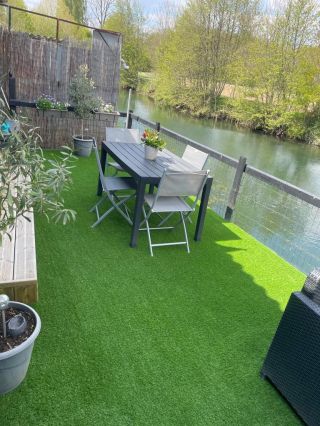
101 174
182 184
115 134
195 157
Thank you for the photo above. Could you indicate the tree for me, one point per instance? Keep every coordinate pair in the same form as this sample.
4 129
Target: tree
21 21
128 19
47 27
99 10
77 9
205 41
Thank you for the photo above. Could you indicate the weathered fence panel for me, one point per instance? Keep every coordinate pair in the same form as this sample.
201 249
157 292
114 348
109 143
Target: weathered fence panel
44 66
57 128
41 65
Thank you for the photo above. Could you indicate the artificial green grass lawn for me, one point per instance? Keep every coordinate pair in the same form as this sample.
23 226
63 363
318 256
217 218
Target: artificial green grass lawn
128 339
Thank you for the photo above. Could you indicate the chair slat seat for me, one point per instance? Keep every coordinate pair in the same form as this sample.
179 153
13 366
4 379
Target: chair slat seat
167 204
170 198
115 165
18 266
112 186
113 183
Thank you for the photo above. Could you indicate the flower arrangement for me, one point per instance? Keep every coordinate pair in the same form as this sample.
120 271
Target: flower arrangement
152 138
107 108
104 108
61 106
47 102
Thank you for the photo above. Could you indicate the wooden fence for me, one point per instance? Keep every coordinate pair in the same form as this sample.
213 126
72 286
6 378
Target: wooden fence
42 66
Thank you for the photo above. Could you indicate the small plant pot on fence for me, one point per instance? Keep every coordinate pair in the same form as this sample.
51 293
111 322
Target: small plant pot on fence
14 362
150 153
82 146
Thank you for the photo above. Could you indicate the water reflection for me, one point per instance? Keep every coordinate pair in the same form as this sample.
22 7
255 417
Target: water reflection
287 225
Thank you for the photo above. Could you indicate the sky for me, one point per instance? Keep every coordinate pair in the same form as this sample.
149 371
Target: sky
150 8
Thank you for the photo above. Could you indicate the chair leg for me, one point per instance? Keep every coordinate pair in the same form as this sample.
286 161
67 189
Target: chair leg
100 218
117 207
148 230
102 199
164 220
185 231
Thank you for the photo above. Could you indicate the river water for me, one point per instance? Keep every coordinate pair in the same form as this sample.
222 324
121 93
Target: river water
289 227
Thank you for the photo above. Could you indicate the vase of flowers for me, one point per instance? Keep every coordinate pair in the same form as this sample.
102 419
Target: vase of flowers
152 144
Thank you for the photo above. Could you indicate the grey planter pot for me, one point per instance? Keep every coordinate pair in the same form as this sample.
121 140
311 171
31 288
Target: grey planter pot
14 363
82 147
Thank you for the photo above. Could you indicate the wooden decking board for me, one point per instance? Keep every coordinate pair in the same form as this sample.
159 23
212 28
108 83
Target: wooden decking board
18 268
7 257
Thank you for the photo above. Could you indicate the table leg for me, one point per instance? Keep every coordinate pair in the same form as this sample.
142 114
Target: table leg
137 212
203 209
151 189
103 159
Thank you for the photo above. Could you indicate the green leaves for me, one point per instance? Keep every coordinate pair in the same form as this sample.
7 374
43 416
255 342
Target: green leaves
29 180
81 93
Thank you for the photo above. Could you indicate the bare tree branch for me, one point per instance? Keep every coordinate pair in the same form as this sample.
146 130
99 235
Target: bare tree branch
99 10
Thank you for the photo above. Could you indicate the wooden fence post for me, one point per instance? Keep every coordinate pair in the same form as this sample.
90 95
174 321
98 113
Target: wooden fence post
12 90
9 18
57 29
130 120
242 163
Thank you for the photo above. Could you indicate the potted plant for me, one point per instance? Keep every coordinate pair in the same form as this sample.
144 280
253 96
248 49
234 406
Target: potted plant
152 143
104 108
83 100
20 327
45 102
28 181
49 103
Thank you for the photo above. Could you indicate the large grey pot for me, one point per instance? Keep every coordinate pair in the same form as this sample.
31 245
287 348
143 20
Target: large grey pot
82 147
14 363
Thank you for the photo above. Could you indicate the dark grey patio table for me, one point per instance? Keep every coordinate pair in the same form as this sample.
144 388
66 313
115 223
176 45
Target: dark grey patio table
131 157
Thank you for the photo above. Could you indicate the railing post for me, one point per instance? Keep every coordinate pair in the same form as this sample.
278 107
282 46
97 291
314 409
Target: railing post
57 29
242 163
12 90
9 18
129 124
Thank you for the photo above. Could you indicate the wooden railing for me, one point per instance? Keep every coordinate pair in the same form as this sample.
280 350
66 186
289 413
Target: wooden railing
57 20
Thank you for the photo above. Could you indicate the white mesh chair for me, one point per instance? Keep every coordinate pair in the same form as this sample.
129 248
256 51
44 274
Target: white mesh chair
171 197
111 185
195 157
120 135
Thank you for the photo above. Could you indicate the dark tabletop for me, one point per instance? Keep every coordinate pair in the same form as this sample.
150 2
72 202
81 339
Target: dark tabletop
131 158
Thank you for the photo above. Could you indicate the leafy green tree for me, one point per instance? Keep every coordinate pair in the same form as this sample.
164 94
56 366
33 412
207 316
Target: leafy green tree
128 19
204 42
77 9
21 21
